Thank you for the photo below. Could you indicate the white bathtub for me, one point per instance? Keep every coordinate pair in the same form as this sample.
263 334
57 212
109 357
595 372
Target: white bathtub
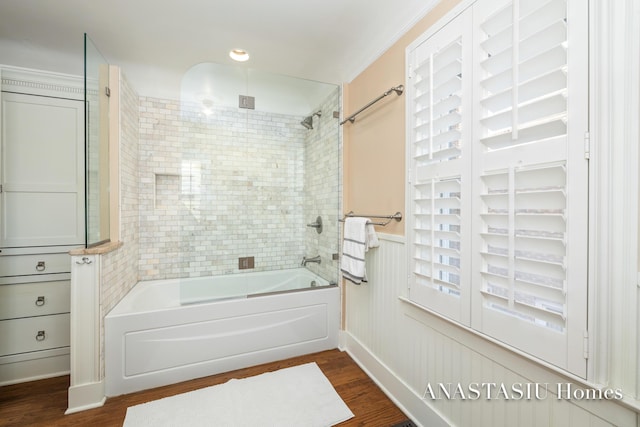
151 339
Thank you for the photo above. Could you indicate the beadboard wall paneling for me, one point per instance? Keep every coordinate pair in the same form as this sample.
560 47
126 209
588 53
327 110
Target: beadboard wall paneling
404 348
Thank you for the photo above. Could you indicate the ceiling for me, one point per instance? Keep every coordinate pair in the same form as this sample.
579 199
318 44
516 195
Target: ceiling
156 41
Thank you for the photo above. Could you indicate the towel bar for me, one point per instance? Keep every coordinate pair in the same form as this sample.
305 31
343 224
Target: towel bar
397 216
352 118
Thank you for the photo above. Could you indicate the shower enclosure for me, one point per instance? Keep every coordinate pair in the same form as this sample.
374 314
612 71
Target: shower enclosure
96 79
232 179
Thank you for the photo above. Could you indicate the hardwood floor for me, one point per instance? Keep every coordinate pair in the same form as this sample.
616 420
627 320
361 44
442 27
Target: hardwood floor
42 403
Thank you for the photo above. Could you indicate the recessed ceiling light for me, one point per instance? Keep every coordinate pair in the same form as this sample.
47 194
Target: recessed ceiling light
239 55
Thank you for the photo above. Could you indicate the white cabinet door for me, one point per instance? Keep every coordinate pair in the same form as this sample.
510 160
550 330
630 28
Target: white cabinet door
42 199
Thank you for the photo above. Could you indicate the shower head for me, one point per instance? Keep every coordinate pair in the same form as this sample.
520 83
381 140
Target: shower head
308 121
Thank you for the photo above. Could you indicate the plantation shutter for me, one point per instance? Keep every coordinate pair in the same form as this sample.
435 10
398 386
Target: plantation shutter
439 87
498 175
530 178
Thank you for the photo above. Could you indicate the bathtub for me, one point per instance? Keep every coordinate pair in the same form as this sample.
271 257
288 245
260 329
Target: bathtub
163 332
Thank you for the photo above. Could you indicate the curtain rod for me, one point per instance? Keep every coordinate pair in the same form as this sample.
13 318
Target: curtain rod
352 118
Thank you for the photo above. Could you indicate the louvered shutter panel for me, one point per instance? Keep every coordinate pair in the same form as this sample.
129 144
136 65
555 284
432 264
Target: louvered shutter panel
439 163
530 178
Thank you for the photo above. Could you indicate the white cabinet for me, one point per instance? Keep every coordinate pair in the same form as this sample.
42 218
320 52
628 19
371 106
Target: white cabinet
37 333
34 313
41 219
34 299
42 167
33 264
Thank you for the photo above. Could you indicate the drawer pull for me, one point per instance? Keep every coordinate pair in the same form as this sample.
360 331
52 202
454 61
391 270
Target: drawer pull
40 266
40 336
84 260
40 301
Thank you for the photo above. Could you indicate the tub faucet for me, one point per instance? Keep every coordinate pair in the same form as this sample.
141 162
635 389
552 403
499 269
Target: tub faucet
306 260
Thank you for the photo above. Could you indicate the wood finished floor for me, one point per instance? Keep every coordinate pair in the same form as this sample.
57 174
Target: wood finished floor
42 403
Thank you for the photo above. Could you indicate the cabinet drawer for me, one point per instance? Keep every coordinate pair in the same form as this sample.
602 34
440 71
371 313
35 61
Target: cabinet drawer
34 299
34 334
22 265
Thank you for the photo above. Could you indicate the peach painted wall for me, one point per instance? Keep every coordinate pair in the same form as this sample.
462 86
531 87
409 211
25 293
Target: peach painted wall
374 145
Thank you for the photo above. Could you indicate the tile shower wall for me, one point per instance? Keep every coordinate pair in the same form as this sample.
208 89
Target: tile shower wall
214 188
322 185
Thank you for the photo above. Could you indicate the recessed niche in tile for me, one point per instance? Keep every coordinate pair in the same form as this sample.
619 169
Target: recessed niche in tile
167 191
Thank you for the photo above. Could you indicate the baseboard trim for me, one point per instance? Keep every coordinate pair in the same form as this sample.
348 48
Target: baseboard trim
397 390
85 396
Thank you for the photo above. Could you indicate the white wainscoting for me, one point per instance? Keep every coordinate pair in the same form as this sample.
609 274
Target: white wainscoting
404 348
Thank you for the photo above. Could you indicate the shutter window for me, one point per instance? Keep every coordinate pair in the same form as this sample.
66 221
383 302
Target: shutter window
437 235
534 108
523 272
531 211
440 127
498 180
437 106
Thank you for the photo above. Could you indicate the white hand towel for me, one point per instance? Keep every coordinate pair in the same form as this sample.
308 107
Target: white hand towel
359 236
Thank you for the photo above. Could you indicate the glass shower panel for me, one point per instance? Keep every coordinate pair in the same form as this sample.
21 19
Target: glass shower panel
96 82
252 177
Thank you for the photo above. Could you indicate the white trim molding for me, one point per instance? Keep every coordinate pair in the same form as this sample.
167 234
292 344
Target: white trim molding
86 389
614 136
400 393
38 82
86 396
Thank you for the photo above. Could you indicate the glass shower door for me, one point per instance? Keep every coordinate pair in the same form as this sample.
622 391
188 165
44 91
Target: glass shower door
96 90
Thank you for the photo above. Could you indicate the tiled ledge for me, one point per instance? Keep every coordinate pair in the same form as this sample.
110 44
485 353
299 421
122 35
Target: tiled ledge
97 250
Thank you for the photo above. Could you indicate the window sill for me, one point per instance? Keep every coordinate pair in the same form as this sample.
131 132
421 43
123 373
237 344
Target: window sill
97 250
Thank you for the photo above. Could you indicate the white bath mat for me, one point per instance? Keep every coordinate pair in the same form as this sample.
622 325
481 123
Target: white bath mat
296 396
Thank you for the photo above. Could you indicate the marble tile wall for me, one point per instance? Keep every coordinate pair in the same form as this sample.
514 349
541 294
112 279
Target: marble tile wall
214 188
